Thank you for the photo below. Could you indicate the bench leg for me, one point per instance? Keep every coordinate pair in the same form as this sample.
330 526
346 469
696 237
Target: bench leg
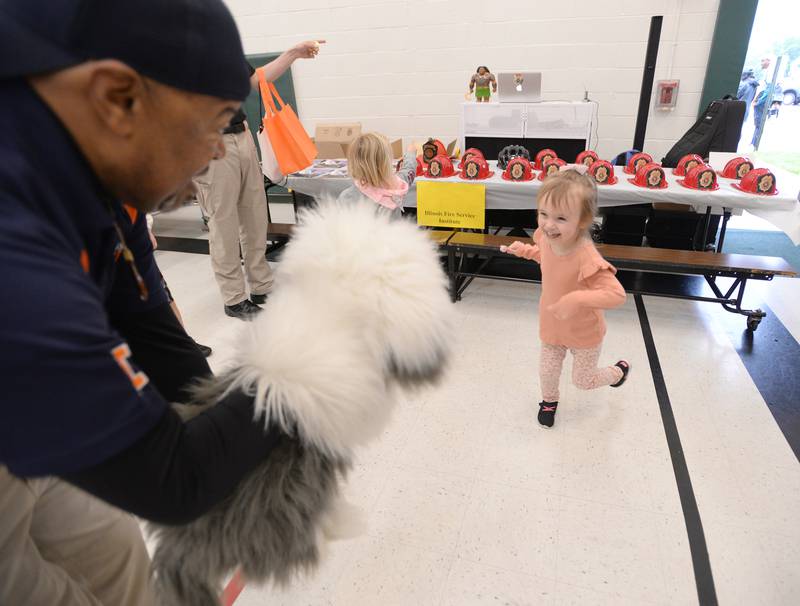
451 272
754 316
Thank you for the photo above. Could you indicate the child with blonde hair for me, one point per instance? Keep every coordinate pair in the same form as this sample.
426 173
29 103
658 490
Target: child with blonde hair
375 182
577 285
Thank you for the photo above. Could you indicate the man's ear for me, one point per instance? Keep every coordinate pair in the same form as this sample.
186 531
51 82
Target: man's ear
116 93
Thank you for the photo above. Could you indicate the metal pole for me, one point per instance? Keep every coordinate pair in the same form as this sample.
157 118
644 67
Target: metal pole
765 113
648 74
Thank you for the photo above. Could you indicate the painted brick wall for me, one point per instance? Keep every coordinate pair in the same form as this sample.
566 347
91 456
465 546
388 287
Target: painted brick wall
402 66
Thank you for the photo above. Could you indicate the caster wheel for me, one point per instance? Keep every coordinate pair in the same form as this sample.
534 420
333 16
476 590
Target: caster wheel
752 323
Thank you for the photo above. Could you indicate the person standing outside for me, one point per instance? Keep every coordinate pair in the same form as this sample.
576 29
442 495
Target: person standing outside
231 194
760 101
747 90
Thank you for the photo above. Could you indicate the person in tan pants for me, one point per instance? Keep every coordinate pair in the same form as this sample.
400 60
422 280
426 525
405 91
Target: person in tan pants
49 552
231 194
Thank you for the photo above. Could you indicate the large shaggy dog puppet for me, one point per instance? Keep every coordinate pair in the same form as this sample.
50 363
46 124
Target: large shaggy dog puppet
360 308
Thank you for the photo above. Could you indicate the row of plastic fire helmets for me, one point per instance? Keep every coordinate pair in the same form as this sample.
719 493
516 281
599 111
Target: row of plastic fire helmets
516 163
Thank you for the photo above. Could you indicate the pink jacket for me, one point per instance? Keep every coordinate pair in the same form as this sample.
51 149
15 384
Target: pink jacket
576 288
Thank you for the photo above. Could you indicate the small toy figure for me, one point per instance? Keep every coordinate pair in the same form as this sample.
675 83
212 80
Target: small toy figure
480 82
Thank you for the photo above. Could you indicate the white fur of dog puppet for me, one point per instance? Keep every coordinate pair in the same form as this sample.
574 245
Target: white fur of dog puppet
360 306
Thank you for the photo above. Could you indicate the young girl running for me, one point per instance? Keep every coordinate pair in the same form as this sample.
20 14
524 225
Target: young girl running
577 284
375 182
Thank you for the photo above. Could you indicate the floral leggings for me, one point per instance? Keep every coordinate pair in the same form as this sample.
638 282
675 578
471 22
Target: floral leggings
585 374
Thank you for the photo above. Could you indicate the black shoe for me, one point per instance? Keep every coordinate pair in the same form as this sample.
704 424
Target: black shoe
258 299
204 349
547 413
625 368
244 310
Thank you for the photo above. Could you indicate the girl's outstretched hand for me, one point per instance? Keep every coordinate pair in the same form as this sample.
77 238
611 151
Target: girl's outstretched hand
519 249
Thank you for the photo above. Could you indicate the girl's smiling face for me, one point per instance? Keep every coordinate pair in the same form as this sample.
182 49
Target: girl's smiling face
562 223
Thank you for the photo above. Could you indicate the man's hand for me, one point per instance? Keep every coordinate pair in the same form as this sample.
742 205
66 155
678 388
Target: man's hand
306 50
274 69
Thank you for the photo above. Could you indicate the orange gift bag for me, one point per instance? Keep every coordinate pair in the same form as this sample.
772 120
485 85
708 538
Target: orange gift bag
293 148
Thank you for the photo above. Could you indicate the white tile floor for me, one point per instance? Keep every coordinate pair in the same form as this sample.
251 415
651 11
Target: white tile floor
470 502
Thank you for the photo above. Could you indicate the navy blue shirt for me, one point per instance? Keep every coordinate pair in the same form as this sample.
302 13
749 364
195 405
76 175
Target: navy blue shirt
70 396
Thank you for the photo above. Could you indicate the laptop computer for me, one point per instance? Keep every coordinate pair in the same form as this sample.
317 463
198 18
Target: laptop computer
519 87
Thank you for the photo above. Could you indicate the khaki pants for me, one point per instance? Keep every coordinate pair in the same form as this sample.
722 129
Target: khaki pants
59 546
231 194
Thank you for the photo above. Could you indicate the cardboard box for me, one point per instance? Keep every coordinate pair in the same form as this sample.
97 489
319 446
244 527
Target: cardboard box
332 140
397 149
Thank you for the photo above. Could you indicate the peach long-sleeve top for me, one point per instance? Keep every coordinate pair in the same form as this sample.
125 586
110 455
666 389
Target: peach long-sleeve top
576 288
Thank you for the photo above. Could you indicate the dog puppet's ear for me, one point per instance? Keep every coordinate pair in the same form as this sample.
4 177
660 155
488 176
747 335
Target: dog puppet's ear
417 313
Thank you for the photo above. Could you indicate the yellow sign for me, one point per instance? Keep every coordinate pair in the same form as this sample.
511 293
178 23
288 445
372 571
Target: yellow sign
446 204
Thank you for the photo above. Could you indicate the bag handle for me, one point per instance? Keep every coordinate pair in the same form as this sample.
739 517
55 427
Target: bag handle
274 91
266 96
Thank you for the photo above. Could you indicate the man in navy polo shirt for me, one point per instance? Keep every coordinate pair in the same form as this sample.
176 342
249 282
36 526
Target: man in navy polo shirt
104 101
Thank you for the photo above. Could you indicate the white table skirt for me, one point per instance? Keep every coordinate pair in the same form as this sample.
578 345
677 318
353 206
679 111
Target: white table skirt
782 210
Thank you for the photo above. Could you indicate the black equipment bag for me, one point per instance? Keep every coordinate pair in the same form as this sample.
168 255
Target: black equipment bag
718 129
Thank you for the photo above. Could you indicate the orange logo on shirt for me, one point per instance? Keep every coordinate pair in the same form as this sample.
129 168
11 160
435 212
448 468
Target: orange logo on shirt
121 353
85 261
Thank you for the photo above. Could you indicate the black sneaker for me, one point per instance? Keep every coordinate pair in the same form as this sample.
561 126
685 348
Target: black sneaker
547 413
258 299
244 310
204 349
625 368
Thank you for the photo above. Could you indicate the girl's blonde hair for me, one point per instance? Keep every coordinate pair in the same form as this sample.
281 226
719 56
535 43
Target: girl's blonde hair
369 160
561 189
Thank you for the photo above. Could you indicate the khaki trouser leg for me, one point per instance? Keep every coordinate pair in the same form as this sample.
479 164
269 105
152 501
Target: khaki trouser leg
62 547
253 218
218 194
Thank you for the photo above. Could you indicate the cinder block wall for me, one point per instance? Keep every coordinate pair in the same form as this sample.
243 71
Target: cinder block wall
402 66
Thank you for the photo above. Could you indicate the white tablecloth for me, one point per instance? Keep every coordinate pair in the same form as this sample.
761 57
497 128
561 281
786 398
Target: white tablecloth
782 210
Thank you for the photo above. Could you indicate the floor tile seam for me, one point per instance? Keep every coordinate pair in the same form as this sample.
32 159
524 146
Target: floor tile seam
610 594
445 583
413 467
524 573
616 505
471 499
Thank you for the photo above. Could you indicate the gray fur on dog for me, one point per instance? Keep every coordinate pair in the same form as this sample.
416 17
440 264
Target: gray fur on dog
269 526
360 305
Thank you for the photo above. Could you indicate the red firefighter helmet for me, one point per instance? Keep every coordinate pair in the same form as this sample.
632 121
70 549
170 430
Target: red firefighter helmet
441 167
587 158
551 167
759 181
737 168
602 171
687 163
432 148
702 177
543 155
472 151
518 169
637 161
475 168
651 176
